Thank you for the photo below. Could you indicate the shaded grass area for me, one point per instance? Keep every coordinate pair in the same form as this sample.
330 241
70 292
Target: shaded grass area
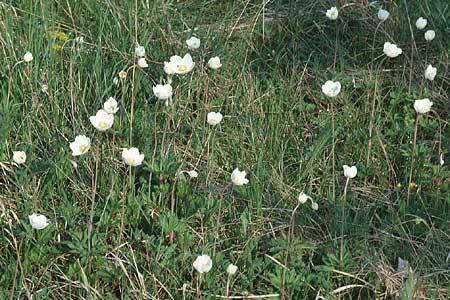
277 126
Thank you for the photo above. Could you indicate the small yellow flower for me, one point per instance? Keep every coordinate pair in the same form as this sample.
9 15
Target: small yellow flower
58 35
412 185
399 185
56 47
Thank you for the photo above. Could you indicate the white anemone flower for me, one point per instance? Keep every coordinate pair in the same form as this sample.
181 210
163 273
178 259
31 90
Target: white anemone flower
421 23
179 65
202 264
331 88
332 13
350 172
303 198
391 50
38 221
139 51
214 63
19 157
238 177
80 145
193 43
383 14
163 92
192 173
430 72
102 121
132 157
142 62
214 118
28 57
232 269
429 35
422 106
111 106
122 74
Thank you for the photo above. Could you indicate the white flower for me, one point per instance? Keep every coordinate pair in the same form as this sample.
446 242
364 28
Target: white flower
332 13
214 118
383 14
111 106
122 74
139 51
429 35
19 157
232 269
102 120
238 177
430 73
116 81
302 198
192 173
193 43
81 145
170 68
331 88
314 205
203 264
214 63
163 92
441 159
142 62
179 65
38 221
391 50
28 57
350 172
421 23
423 106
132 157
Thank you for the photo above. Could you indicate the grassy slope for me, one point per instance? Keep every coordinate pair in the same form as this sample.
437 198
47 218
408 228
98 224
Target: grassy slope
277 126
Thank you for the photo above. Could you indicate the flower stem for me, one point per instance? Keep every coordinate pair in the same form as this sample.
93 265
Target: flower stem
344 201
412 159
94 191
333 140
227 293
288 246
372 114
199 282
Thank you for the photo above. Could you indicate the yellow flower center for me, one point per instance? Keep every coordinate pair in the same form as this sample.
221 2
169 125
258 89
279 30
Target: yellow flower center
102 125
182 68
82 148
130 161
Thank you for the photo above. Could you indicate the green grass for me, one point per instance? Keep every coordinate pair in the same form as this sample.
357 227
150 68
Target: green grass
113 234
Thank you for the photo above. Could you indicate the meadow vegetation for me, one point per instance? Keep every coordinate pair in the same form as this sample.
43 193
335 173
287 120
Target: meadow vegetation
111 223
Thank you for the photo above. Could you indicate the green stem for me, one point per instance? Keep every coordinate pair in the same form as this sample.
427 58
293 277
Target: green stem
344 201
412 159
